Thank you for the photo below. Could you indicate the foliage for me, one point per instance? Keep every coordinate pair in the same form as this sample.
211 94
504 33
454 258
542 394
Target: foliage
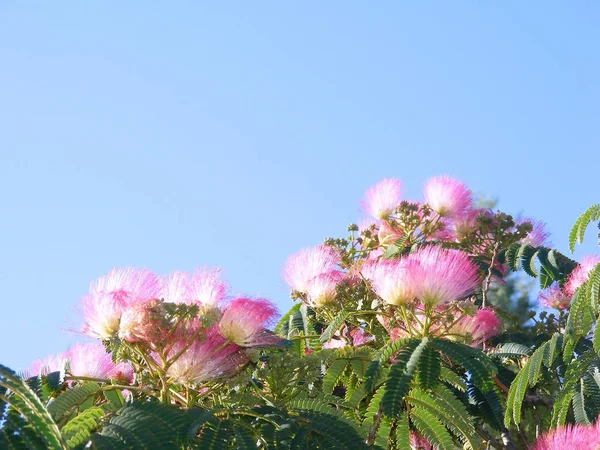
376 352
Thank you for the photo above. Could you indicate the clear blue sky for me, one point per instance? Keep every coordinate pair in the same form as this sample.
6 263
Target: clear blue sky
173 135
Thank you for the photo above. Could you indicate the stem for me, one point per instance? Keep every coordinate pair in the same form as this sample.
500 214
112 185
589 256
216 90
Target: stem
488 278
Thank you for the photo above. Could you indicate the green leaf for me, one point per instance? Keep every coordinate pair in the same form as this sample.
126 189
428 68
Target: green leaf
30 408
334 371
400 376
449 410
78 430
431 428
429 368
578 230
403 432
335 325
70 399
510 350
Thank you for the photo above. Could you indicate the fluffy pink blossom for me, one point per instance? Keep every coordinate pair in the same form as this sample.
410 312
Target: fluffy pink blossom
441 275
244 322
579 437
202 287
111 294
144 322
91 360
446 196
479 327
210 357
383 198
49 364
580 274
418 442
538 236
322 289
394 281
307 264
554 297
461 225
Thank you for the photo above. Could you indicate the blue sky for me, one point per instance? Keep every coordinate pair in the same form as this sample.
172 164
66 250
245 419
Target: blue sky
183 134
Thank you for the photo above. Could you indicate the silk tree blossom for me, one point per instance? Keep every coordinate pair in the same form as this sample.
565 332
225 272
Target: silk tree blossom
418 442
49 364
309 263
111 295
322 289
464 224
441 275
446 196
478 328
244 322
144 322
203 287
382 199
577 437
91 360
538 236
580 274
394 281
554 297
210 357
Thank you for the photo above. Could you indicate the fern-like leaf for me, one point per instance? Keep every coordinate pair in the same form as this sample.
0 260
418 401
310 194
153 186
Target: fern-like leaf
578 229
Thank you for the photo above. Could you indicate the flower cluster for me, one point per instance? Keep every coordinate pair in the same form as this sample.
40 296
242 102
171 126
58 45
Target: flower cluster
420 263
580 437
180 327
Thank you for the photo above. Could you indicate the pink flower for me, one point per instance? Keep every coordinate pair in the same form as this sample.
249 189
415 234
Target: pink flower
322 289
478 328
244 321
144 322
307 264
382 199
442 275
580 274
111 294
394 281
91 360
207 358
203 287
554 297
446 196
579 437
418 442
49 364
463 224
538 236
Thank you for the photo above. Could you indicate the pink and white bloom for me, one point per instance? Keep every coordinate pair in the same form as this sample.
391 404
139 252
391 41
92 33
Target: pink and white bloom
580 274
554 297
446 196
91 360
111 294
394 281
207 358
203 287
244 322
538 236
144 322
478 328
49 364
418 442
322 289
442 275
307 264
382 199
579 437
